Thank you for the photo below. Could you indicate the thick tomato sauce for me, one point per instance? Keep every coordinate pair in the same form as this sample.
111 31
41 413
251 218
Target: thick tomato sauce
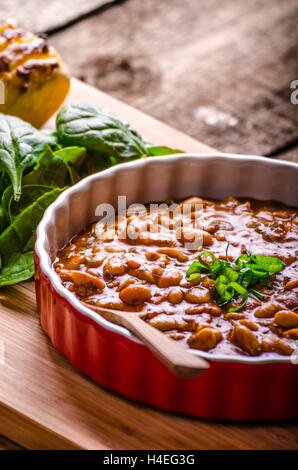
103 266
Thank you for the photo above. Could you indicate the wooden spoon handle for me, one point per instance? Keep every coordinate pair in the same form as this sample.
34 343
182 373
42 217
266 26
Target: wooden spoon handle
174 356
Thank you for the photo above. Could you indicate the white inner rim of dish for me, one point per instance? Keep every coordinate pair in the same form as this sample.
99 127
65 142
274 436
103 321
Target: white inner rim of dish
63 200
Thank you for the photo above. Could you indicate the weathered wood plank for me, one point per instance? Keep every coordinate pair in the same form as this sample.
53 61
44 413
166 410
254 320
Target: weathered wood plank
152 130
6 444
39 16
290 155
217 69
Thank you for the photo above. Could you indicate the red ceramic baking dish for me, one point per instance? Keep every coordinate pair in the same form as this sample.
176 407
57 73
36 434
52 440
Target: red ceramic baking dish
234 387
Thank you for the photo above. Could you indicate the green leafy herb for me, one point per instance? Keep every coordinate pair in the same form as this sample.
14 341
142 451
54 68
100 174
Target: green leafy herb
158 151
52 168
235 280
20 234
3 219
72 155
4 181
106 136
99 131
30 194
20 145
256 293
17 267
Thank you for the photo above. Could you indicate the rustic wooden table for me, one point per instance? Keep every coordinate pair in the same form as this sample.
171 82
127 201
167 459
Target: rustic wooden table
219 71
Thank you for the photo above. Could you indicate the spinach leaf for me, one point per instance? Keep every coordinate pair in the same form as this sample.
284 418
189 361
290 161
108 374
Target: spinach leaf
72 155
6 197
39 139
20 235
3 219
30 193
94 163
4 182
159 150
25 199
52 167
20 145
99 131
49 170
73 158
17 267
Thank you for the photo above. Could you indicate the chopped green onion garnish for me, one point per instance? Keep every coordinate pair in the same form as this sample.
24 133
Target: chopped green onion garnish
233 280
256 293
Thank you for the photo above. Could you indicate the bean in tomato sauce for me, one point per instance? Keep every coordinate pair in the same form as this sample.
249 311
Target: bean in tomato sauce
104 266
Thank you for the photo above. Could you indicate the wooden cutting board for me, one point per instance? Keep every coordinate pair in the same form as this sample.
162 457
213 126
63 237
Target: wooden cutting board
46 404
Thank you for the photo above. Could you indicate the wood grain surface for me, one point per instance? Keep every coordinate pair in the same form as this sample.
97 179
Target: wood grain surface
219 70
40 17
6 444
46 404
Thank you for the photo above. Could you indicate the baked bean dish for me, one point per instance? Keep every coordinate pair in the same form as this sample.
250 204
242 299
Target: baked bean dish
216 276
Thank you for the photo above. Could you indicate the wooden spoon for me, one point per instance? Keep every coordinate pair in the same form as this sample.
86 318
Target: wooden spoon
174 356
